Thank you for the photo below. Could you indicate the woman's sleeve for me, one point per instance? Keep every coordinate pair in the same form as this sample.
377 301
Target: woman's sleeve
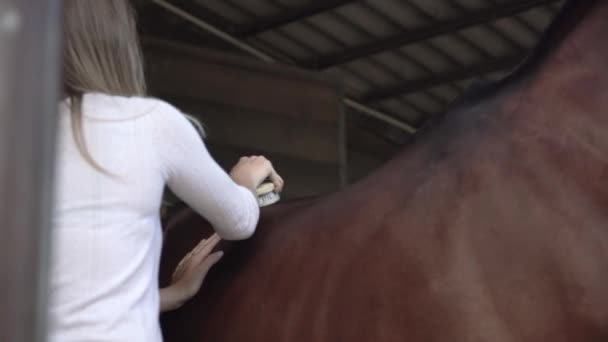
195 177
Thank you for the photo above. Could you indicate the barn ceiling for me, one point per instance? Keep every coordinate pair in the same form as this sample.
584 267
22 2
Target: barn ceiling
406 58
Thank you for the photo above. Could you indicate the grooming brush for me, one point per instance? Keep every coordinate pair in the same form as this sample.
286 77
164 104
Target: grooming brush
267 195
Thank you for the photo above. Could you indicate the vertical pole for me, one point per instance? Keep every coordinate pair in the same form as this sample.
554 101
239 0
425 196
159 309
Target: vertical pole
342 147
29 83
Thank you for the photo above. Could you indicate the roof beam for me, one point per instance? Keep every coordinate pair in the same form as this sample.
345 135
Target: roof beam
495 64
205 14
414 36
290 16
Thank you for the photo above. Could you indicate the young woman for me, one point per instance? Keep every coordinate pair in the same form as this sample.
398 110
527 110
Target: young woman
117 151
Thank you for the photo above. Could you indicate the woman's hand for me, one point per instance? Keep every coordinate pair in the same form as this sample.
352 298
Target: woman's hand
250 172
190 274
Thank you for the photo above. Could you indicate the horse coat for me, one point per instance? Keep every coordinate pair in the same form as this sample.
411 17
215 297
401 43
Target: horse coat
491 226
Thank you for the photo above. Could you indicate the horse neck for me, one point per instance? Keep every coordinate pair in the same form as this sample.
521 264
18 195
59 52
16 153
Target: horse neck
562 107
555 116
572 81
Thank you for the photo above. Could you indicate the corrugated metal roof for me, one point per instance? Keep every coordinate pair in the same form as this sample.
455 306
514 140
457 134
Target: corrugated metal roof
408 58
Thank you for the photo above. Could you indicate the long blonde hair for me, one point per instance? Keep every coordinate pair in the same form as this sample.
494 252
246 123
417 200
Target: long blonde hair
101 53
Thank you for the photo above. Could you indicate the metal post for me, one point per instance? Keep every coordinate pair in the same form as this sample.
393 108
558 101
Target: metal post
343 148
29 70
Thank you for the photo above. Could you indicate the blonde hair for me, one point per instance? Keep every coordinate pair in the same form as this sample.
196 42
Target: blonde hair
101 53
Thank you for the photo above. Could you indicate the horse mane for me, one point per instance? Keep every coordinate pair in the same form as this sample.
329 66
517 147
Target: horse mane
572 13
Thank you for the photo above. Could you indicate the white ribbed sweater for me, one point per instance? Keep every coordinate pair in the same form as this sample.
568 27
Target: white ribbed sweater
107 236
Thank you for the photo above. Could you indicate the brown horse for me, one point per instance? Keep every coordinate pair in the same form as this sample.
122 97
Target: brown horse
491 226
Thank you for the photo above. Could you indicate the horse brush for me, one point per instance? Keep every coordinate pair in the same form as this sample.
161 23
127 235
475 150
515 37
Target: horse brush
267 195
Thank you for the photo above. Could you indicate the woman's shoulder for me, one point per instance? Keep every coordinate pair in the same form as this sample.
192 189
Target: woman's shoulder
156 114
112 107
171 115
169 118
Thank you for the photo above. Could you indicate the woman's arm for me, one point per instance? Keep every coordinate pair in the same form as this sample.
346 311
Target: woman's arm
195 177
171 299
190 274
